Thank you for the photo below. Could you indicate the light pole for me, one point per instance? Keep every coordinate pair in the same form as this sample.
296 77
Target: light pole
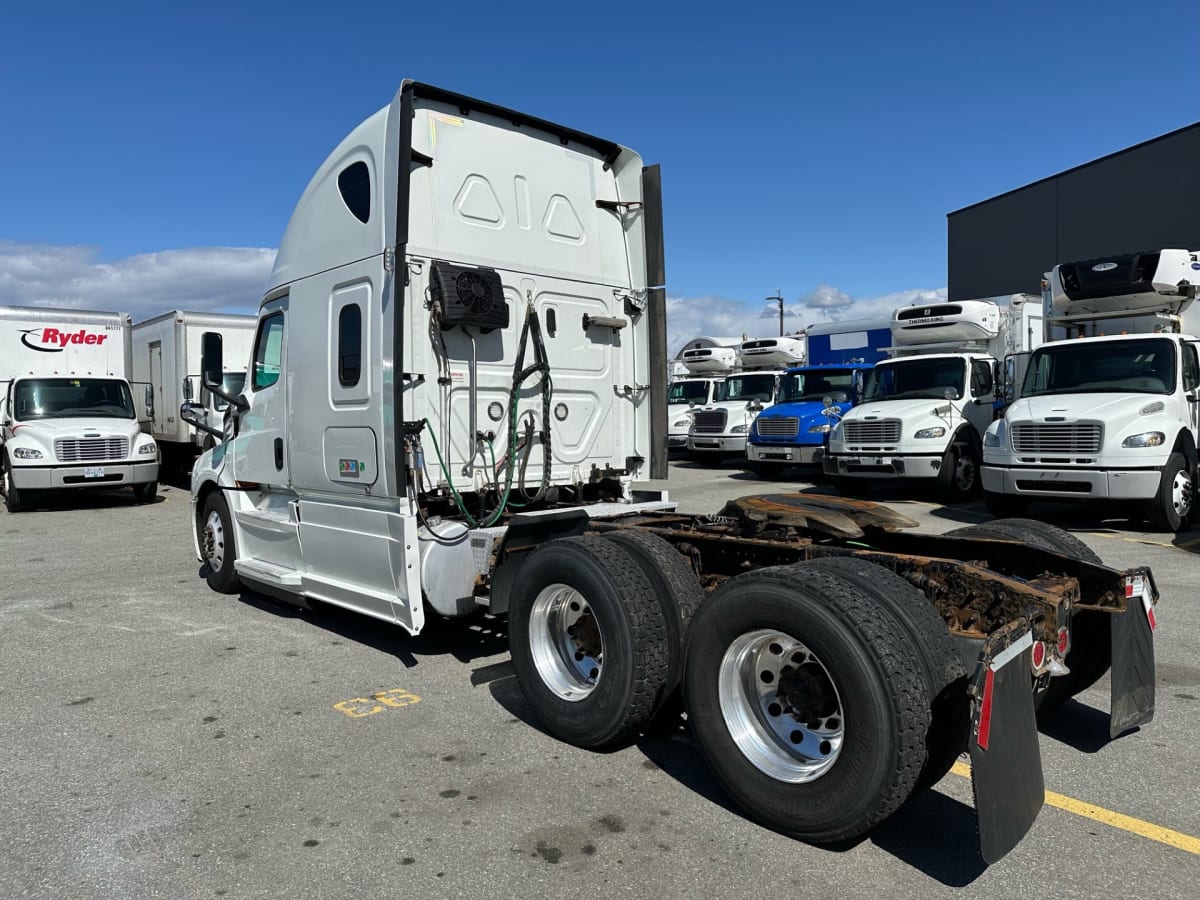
778 298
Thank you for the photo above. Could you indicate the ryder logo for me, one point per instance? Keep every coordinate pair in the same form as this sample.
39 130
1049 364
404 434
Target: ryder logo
52 340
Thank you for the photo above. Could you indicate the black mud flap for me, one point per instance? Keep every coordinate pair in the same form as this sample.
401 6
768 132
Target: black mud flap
1006 762
1132 678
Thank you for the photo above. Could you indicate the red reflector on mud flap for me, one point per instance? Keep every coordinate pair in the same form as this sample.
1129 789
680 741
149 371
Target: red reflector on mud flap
985 710
1150 617
1039 654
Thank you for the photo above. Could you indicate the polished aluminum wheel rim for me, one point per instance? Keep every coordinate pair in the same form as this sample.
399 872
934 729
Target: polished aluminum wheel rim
214 542
781 706
964 473
565 639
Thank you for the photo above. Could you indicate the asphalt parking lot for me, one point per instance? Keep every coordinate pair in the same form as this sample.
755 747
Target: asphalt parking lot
160 739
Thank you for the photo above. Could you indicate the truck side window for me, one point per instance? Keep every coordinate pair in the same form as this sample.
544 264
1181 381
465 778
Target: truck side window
349 345
268 351
1191 368
354 184
981 378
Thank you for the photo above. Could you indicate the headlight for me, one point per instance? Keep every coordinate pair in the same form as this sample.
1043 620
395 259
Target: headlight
682 423
147 449
1145 439
937 432
739 429
818 429
991 438
27 453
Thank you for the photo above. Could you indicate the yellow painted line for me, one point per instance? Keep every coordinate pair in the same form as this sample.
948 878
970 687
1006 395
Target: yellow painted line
1129 540
1145 829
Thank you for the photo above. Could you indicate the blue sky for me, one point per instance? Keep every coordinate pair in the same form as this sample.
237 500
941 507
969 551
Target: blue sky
812 148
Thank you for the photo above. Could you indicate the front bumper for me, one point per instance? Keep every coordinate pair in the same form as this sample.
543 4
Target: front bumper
718 443
865 465
98 475
676 441
792 454
1068 484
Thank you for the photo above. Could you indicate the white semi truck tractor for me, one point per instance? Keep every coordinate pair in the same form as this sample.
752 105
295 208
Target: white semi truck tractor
924 411
1107 413
458 377
69 418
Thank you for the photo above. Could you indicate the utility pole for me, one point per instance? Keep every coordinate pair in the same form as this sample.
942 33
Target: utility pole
778 298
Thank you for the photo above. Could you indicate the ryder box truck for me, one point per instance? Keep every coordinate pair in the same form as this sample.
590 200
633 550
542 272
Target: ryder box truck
68 415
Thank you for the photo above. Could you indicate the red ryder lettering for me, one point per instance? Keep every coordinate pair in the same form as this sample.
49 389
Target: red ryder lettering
62 338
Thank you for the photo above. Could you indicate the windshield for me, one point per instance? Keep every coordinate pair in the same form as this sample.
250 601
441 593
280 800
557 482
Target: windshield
912 378
815 385
72 398
747 388
687 391
1084 367
232 384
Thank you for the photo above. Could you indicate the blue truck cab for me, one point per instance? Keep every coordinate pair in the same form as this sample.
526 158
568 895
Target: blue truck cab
793 431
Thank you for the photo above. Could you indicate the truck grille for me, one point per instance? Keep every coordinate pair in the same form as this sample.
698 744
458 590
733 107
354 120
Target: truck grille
885 431
91 449
1036 437
783 426
713 421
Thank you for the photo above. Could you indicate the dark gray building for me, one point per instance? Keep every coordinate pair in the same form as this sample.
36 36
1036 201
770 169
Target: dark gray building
1144 198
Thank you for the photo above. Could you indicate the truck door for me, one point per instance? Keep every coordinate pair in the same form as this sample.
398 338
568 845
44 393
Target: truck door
979 408
157 424
260 451
1191 385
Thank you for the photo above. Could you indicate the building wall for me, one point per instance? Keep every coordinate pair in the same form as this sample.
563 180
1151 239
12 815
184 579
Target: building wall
1143 198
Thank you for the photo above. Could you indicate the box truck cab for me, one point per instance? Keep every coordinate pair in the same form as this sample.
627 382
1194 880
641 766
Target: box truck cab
70 418
1107 416
683 396
924 411
794 431
719 430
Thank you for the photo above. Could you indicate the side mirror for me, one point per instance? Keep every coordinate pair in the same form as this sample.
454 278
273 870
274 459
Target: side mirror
754 405
950 393
211 362
149 401
190 412
187 387
839 397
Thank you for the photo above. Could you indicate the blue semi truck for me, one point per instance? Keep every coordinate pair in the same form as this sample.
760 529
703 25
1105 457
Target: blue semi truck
792 432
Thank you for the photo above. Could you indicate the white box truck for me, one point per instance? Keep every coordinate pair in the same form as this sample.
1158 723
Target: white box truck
1106 413
457 372
166 355
924 411
69 415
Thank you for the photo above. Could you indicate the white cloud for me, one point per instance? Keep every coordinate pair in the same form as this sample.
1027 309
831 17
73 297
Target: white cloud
226 279
688 317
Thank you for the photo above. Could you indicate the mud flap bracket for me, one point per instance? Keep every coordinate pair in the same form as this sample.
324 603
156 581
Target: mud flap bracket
1006 762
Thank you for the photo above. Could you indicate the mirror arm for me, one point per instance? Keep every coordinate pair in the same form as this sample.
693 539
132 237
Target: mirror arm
187 416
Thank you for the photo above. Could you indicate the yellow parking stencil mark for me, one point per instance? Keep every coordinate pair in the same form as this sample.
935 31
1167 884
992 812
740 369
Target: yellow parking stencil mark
1149 830
361 707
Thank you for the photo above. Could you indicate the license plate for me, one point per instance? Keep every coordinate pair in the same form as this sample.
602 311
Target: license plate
93 472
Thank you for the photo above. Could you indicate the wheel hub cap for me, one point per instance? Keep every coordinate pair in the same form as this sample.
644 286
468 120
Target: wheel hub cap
1181 494
566 642
212 542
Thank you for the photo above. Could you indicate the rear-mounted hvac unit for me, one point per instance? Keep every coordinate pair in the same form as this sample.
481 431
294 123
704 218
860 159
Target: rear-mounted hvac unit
468 296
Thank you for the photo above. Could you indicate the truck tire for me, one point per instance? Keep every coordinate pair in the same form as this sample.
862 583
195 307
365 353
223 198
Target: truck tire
145 492
1171 506
679 596
14 499
942 665
807 701
217 545
1090 653
1005 506
588 641
958 478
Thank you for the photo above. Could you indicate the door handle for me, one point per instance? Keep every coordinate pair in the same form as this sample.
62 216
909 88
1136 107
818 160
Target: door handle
279 453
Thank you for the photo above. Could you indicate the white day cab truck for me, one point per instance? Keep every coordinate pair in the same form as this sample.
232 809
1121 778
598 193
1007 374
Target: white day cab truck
455 381
68 417
166 355
1107 417
720 429
924 411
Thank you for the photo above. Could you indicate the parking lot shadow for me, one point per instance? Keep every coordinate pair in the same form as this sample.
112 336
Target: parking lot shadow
1077 725
936 835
